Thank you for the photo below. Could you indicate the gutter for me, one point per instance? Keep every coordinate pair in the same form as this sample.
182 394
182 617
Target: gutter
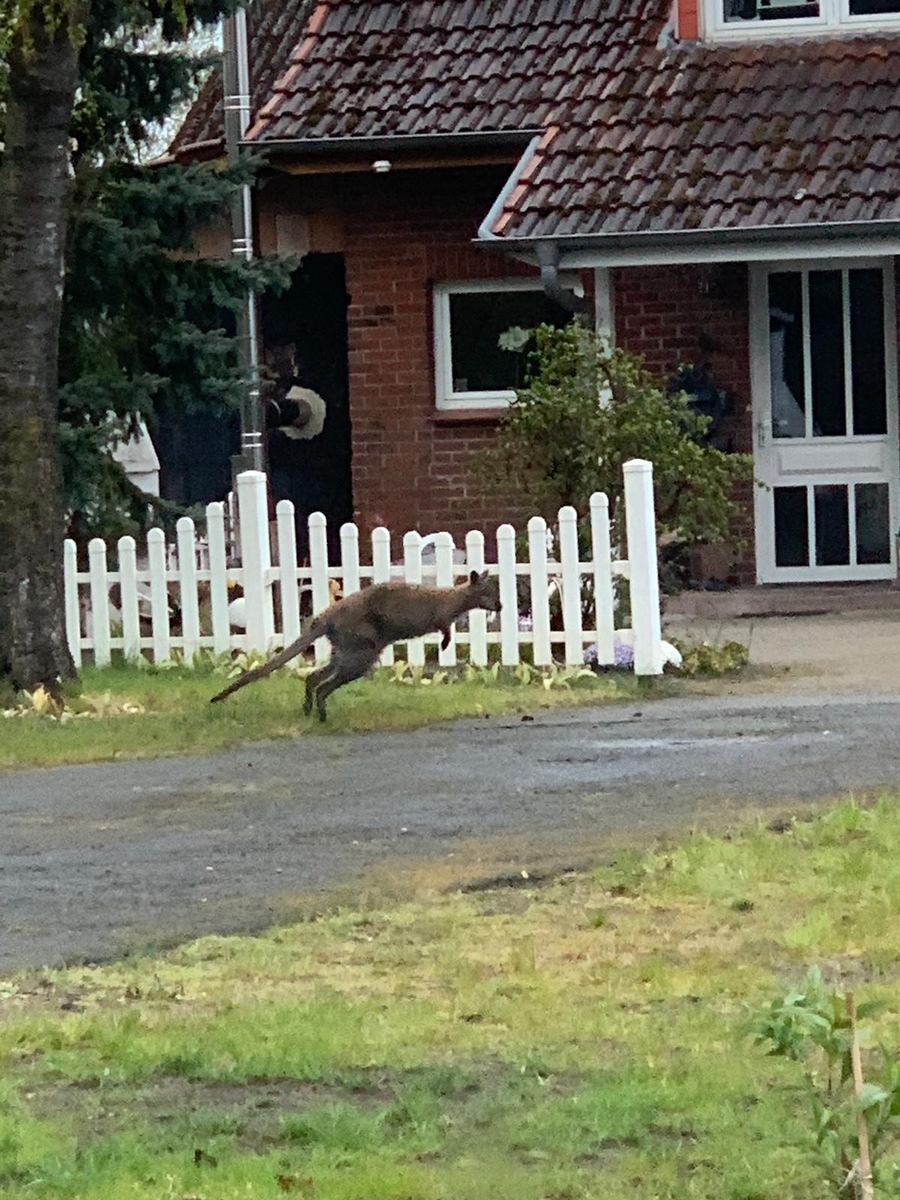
504 139
676 239
378 146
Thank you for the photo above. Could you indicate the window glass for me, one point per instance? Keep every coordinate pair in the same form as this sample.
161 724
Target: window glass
477 319
791 527
865 8
786 355
826 335
873 523
832 525
867 351
772 10
790 14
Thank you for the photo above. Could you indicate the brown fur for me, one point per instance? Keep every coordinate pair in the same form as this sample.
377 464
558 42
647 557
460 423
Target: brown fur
360 626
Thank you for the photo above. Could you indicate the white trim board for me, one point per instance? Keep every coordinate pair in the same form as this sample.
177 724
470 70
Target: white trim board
675 254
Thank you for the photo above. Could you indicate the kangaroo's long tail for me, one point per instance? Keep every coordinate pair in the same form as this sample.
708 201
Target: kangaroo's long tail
316 630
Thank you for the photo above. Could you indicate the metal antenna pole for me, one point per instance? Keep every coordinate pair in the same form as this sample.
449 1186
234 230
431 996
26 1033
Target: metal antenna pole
236 95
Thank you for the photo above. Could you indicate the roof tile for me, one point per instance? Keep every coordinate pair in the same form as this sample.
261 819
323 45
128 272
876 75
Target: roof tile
653 134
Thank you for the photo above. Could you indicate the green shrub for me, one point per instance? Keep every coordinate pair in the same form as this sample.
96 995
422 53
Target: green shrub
585 411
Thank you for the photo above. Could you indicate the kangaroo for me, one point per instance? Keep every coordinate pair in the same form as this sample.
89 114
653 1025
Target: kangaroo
360 626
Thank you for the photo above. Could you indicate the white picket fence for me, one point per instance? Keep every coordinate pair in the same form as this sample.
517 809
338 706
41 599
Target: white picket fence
141 622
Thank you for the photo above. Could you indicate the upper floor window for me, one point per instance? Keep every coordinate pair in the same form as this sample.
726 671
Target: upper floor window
759 17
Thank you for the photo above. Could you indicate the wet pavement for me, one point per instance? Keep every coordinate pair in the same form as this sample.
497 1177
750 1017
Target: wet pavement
98 860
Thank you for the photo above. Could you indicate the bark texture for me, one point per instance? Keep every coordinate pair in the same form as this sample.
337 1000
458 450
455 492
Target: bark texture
34 187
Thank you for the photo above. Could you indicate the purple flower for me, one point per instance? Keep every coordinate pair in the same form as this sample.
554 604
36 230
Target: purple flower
624 654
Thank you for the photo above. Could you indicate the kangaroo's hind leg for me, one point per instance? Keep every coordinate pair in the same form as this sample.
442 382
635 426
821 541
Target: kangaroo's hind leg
313 680
352 658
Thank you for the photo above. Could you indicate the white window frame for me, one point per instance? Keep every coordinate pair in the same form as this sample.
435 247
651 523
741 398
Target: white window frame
834 15
445 397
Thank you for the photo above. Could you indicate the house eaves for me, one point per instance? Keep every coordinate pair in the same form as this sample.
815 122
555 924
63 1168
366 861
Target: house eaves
508 143
764 243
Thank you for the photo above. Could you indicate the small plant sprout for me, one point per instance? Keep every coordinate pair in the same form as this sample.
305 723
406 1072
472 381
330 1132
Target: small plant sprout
855 1123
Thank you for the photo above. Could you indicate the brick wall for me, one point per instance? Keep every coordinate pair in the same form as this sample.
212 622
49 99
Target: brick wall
680 314
411 463
404 231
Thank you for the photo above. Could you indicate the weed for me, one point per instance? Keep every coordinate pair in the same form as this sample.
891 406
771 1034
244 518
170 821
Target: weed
855 1123
709 659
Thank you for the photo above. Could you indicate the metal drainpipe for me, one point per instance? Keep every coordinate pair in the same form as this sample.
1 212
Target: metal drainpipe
548 258
236 93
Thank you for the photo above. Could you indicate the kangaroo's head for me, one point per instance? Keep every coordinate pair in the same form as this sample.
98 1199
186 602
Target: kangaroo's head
483 591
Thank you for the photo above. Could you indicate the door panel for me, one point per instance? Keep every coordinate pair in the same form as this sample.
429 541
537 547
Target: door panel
825 412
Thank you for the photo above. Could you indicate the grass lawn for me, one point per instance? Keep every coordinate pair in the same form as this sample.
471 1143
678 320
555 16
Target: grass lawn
130 713
583 1039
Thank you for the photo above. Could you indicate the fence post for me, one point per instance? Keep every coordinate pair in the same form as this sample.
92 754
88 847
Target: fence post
604 587
218 577
478 616
159 594
318 565
381 573
287 571
443 562
412 573
509 596
540 599
349 558
73 608
131 622
99 586
256 559
571 585
640 524
187 585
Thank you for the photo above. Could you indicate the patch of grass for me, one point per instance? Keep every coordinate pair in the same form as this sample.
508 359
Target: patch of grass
132 713
449 1047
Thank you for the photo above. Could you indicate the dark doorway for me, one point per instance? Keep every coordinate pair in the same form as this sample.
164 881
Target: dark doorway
304 334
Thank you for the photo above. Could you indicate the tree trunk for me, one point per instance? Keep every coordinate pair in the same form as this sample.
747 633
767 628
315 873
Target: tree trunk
34 189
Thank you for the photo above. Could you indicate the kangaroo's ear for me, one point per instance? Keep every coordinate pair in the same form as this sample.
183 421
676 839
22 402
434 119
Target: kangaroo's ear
474 577
484 576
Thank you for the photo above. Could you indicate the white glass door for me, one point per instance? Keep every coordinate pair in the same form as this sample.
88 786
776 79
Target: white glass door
823 349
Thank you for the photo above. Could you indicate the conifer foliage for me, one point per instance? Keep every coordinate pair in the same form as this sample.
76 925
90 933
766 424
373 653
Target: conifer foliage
105 315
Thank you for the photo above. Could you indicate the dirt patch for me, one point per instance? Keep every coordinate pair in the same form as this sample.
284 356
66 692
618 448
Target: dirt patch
252 1112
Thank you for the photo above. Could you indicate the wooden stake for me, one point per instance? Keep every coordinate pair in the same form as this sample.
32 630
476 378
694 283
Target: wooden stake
863 1164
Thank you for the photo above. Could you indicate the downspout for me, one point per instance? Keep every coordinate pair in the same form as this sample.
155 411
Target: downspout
548 260
236 92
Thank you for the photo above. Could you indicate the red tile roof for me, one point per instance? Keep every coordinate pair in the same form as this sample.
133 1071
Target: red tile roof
710 137
274 28
642 133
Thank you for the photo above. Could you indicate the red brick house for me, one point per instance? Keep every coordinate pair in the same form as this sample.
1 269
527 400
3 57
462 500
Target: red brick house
720 179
